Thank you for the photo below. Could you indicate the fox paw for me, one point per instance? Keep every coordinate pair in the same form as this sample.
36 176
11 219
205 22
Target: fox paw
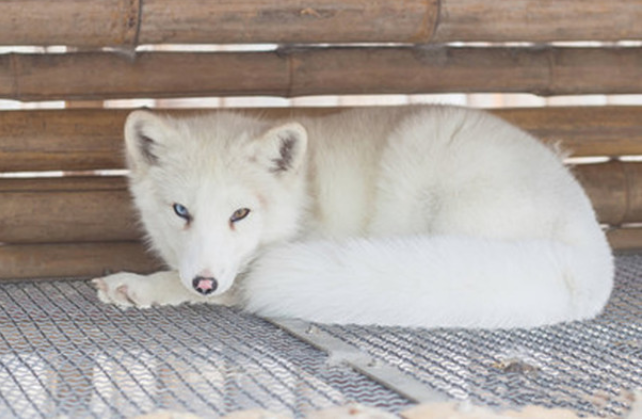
125 290
162 288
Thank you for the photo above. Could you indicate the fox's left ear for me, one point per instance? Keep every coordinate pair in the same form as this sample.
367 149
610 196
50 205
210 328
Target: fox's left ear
282 149
145 136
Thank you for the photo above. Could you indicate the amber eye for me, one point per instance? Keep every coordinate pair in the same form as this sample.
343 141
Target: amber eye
239 215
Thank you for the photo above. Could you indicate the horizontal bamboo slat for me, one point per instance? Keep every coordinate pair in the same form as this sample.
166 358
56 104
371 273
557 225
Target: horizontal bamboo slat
615 190
69 22
38 140
92 139
68 210
537 20
29 261
583 131
321 71
625 239
74 260
131 22
64 184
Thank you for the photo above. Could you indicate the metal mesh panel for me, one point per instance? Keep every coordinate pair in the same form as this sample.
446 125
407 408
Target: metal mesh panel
62 353
584 366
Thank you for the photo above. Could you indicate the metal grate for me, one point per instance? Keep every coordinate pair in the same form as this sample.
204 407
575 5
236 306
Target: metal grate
62 353
584 366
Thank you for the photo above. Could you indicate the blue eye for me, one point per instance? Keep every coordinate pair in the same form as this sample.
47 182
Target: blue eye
182 212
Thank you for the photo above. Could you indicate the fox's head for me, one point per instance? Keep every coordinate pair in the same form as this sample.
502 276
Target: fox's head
213 190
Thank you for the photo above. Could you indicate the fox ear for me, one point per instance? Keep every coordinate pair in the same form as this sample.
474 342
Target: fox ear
282 149
144 134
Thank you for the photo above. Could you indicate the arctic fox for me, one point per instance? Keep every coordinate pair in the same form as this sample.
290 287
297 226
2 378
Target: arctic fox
411 216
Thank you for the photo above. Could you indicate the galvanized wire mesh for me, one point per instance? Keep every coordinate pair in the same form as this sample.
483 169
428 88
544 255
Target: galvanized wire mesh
584 366
62 353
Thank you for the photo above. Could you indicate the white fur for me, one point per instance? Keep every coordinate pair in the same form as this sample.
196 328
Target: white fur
419 216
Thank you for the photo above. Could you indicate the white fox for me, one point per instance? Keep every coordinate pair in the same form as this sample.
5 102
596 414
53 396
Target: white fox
414 216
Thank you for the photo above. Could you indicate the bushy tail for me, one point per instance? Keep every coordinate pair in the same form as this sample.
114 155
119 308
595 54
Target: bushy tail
431 282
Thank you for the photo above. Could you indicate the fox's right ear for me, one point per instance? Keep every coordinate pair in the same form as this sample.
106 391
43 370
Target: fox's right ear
145 134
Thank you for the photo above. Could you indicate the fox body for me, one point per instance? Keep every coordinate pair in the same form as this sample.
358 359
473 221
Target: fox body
414 216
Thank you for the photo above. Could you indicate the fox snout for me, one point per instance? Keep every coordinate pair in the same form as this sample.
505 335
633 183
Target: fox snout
204 285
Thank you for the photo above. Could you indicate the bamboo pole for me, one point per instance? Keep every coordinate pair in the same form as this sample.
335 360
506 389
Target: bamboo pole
65 210
537 21
63 184
67 140
582 131
131 22
614 189
626 239
83 23
74 260
77 140
29 261
60 211
321 71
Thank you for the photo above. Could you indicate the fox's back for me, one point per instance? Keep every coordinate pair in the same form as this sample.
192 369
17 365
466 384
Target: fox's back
446 168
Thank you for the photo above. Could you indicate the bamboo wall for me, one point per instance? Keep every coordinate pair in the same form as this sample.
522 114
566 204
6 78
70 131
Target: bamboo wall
84 225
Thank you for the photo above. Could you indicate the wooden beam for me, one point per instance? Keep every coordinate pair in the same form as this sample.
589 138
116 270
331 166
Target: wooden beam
78 139
321 71
65 210
74 260
132 22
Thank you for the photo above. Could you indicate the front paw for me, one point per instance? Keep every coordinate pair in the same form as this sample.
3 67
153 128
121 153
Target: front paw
124 290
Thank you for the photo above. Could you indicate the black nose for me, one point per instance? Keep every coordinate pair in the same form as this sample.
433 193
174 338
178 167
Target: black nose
204 285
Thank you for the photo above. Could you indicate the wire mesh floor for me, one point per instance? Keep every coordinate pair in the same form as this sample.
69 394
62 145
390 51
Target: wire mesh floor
62 353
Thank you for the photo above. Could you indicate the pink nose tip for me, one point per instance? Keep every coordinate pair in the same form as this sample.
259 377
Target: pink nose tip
204 285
